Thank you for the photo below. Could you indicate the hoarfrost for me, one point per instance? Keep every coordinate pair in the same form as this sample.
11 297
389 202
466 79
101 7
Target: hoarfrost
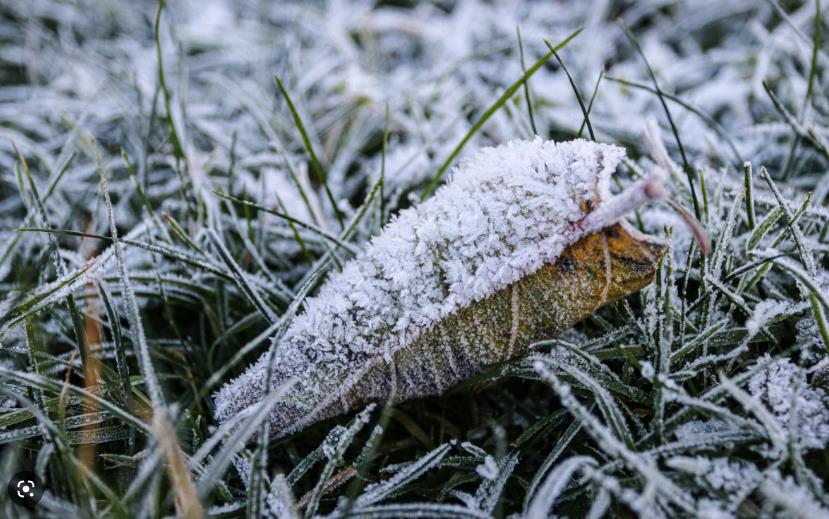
488 469
764 312
782 492
504 213
710 509
775 387
279 502
647 370
808 336
729 476
242 465
331 444
434 66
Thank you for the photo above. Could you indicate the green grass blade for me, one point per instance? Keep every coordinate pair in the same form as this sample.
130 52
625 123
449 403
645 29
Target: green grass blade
310 149
503 98
576 91
526 83
689 172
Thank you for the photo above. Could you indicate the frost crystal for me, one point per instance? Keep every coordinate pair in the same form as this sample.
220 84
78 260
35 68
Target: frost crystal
647 370
764 312
242 464
810 341
775 387
783 492
488 469
699 431
505 213
729 476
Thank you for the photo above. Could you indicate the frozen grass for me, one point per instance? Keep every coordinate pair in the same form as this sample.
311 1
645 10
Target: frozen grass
170 209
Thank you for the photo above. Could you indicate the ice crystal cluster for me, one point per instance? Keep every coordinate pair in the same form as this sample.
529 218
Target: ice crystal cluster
505 212
784 389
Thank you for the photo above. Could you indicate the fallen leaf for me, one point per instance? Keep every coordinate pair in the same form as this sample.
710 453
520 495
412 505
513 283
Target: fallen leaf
522 243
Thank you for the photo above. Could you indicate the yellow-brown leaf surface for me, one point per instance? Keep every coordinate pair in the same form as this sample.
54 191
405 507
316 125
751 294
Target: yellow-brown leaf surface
596 270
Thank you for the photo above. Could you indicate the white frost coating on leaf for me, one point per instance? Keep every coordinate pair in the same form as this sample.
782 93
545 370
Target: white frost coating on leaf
775 387
503 214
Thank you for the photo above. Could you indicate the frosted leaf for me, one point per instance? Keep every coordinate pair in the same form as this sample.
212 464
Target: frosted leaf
775 387
504 214
436 66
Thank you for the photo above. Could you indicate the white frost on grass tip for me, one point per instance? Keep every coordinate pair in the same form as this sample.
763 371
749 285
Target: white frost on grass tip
503 214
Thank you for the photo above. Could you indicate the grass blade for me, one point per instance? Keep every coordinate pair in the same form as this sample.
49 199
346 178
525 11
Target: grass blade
310 149
503 98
